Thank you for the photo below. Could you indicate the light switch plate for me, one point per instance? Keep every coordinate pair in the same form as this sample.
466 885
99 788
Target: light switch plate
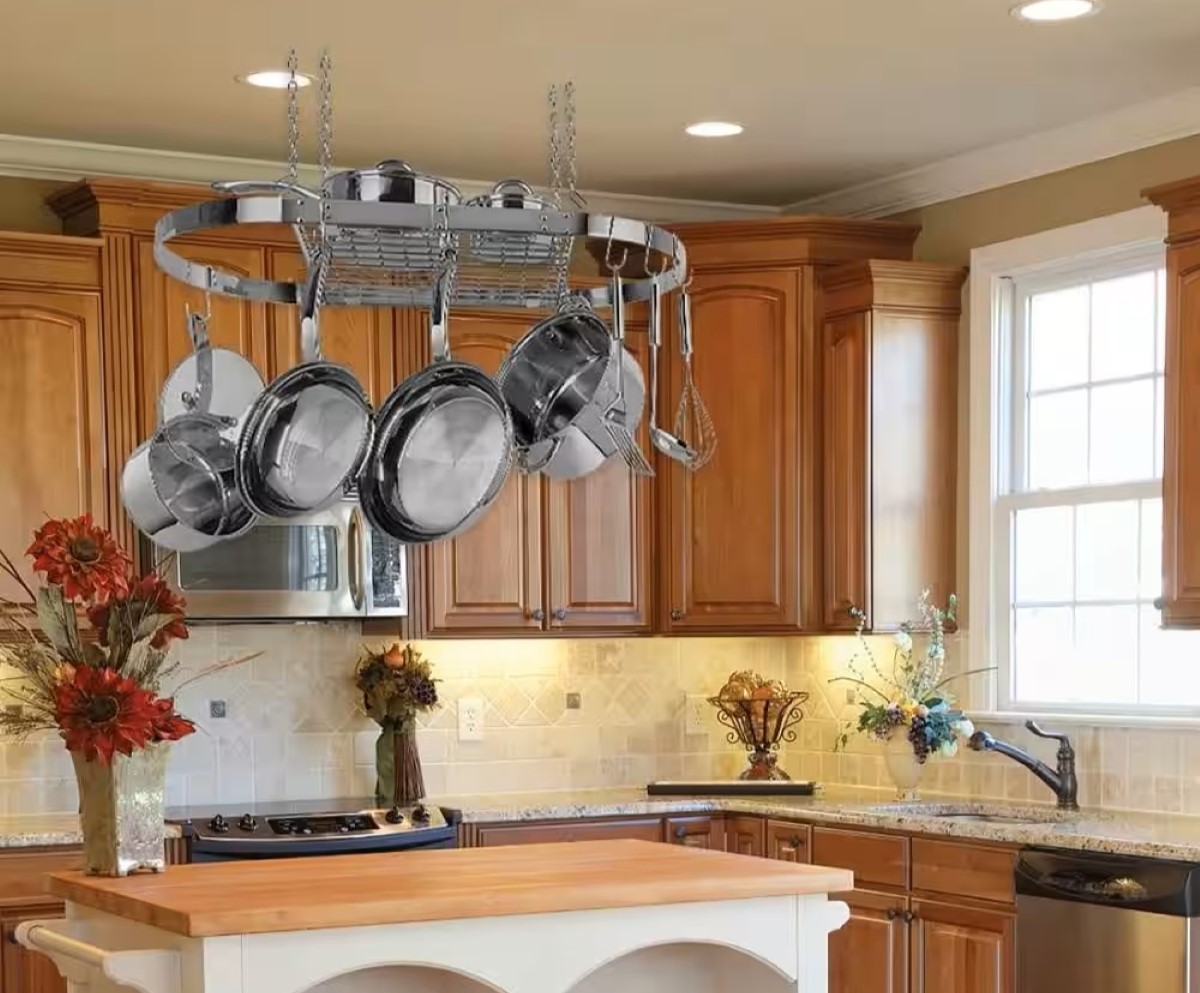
696 714
470 718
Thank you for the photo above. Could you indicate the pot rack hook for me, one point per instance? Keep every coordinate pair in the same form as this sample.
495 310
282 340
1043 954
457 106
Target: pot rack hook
662 270
608 250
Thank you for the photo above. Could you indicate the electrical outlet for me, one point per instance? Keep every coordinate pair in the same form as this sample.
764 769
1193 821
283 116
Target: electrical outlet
851 697
218 709
696 714
470 718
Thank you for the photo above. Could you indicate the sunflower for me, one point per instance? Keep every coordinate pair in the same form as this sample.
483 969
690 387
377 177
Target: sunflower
149 597
85 560
100 712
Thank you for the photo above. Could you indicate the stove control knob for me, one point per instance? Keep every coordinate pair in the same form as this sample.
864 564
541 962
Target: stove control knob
343 829
394 816
219 824
248 822
306 830
420 814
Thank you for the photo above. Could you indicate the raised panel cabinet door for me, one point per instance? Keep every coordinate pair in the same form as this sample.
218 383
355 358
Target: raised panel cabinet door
869 953
162 316
787 842
598 540
1181 426
731 547
962 949
52 423
489 579
847 456
26 971
744 835
360 338
696 832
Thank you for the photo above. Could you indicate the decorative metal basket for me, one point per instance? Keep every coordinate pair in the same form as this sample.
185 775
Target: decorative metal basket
760 714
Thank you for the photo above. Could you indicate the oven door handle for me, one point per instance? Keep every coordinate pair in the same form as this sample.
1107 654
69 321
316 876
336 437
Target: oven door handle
354 541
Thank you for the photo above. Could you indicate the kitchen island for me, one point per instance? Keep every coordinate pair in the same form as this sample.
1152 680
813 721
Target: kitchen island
585 917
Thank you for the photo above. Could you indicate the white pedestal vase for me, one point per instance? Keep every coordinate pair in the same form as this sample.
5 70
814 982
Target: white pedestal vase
902 765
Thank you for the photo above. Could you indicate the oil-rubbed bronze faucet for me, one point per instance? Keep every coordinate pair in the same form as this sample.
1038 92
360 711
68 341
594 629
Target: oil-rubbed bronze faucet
1061 780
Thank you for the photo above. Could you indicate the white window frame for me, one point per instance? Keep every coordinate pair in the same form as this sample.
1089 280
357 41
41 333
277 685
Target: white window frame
1114 239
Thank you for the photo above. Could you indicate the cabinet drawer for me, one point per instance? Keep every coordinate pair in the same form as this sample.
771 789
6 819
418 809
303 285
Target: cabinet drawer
535 834
875 859
22 873
963 870
696 832
788 841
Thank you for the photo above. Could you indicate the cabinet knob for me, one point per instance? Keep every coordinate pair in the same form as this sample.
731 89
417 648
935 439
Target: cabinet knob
1159 603
892 913
676 614
537 615
680 832
909 916
560 613
796 841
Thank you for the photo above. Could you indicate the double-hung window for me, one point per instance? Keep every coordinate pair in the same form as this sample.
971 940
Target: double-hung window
1076 514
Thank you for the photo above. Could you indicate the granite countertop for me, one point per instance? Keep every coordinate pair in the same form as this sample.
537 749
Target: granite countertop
1167 836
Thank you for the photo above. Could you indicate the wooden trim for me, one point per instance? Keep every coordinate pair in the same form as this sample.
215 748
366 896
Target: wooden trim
1181 201
896 286
50 262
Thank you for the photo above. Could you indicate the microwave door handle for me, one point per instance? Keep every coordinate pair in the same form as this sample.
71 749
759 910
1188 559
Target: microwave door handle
354 551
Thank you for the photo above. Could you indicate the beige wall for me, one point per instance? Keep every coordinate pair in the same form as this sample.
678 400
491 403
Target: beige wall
22 206
951 229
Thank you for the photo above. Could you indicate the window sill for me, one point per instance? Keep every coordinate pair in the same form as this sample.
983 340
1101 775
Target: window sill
1086 720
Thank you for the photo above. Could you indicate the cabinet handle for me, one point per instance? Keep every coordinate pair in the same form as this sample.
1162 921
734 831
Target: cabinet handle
681 832
560 613
676 614
892 913
538 615
909 916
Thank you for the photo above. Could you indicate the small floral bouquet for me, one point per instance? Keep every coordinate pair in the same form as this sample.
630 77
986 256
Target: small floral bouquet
396 685
913 695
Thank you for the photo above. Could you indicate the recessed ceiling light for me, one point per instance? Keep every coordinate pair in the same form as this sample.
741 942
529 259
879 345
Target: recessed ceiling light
1055 10
274 79
714 129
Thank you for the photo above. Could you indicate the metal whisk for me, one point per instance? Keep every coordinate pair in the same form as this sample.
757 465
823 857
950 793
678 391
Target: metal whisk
693 425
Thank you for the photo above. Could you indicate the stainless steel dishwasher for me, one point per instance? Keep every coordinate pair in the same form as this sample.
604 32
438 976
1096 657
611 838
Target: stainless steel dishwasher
1106 924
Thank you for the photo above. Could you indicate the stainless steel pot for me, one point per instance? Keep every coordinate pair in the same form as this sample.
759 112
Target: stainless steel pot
179 487
443 447
501 248
308 433
392 181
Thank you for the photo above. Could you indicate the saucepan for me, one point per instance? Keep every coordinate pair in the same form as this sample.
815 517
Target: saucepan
443 446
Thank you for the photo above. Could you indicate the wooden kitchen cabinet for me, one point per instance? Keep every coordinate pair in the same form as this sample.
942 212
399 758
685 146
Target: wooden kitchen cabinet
961 948
890 390
696 832
54 413
22 970
640 829
1181 425
745 835
870 952
787 841
550 555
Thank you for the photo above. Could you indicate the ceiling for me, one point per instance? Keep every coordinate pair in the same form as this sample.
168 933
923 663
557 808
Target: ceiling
832 92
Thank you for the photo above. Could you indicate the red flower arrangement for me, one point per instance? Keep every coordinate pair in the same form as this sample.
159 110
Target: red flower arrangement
100 693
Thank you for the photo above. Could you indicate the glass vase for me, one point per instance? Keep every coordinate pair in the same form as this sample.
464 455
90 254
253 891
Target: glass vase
121 810
902 765
398 778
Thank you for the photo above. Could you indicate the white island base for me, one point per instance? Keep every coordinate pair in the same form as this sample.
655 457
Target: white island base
617 917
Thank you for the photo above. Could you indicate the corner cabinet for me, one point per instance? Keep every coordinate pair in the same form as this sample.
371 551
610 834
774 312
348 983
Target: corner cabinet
1181 425
55 405
889 334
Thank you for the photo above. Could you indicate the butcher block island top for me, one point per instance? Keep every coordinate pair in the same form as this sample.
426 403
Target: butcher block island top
341 891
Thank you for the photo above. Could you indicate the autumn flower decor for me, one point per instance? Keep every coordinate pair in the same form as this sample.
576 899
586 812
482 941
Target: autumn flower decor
99 689
396 684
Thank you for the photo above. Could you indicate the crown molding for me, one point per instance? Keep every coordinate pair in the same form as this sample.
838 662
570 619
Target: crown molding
51 158
1142 125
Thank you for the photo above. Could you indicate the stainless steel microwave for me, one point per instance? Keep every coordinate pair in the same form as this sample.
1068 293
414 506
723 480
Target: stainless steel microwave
331 564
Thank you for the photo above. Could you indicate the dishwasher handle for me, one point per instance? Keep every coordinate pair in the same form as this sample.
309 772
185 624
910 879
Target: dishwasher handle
1150 885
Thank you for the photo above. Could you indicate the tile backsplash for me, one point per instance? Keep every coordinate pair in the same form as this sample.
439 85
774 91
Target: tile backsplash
293 728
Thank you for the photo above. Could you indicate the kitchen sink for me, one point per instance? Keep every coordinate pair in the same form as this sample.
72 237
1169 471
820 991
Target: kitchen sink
988 818
974 814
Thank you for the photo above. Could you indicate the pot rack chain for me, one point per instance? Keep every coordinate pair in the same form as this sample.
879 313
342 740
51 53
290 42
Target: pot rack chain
563 177
293 119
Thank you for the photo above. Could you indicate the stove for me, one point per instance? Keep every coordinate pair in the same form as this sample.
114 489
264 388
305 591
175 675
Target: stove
312 827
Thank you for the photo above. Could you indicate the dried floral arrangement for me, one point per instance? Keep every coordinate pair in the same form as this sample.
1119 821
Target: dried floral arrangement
102 692
913 693
396 683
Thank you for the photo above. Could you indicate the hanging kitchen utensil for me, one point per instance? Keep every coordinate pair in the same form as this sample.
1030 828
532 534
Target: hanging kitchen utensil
693 425
179 487
662 439
616 414
443 448
307 434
